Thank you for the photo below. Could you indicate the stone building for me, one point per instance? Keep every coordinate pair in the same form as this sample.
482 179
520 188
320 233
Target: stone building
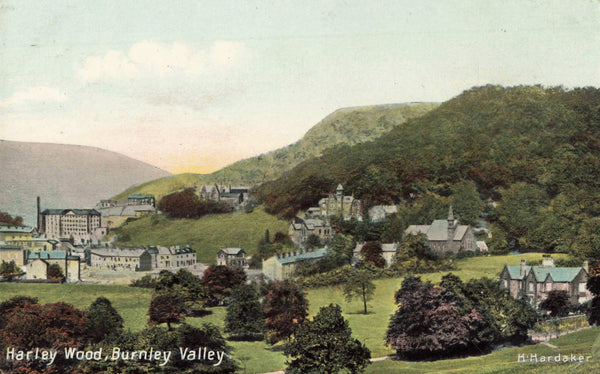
537 281
380 213
283 266
10 253
133 259
232 257
83 225
388 252
446 235
8 233
339 205
141 199
38 262
302 228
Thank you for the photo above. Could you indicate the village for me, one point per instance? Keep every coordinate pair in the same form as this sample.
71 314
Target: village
72 244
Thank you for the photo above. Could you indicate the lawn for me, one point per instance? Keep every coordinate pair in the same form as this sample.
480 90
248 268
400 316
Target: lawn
206 235
132 304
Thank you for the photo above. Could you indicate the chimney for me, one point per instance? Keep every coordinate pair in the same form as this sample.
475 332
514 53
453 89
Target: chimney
586 266
522 268
38 214
548 261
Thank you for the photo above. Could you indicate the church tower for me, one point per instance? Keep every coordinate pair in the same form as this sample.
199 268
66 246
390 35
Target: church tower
452 224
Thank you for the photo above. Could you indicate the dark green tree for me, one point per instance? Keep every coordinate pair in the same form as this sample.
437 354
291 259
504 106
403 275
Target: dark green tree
7 268
556 303
244 318
466 202
219 280
313 241
325 345
55 273
371 253
102 320
342 248
359 284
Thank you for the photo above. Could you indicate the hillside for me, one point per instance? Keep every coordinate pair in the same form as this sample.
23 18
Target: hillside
206 235
344 126
64 176
548 138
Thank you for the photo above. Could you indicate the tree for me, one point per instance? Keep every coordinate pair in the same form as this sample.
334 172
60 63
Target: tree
466 202
359 284
8 268
209 336
244 318
165 307
342 248
372 253
219 281
313 241
55 273
427 324
557 303
593 285
285 307
102 320
325 345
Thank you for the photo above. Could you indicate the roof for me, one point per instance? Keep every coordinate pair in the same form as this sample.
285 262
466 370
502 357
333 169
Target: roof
81 212
9 247
541 273
22 229
53 255
304 256
339 187
438 230
140 196
118 252
385 247
311 223
232 251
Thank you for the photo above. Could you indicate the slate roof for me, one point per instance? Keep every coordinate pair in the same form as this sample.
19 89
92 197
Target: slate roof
140 196
22 229
385 247
438 230
232 251
304 256
118 252
50 255
81 212
541 273
311 223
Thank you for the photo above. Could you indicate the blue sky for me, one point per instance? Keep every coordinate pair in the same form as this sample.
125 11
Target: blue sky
195 85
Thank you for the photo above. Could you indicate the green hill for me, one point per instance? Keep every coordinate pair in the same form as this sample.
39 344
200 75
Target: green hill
206 235
493 136
344 126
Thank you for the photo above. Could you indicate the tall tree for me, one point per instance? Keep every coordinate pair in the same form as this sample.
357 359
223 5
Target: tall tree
466 202
359 284
165 307
325 345
219 280
244 318
285 307
557 303
372 253
102 320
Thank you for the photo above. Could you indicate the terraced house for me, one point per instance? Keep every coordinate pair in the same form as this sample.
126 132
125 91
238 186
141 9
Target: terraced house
537 281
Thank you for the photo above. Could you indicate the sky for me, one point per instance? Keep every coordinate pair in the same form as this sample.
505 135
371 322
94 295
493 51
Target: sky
192 86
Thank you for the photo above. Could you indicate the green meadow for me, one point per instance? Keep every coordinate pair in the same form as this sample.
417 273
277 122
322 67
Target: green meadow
132 304
207 235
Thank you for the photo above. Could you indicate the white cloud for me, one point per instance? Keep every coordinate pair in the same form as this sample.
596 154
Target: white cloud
33 95
155 58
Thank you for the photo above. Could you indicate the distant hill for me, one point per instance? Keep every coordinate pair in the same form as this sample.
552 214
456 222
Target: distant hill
64 176
344 126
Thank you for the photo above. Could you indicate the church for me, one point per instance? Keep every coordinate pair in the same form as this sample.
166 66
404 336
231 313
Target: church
446 235
339 205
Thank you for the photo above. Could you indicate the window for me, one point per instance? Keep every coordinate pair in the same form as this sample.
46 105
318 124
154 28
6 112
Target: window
530 286
582 287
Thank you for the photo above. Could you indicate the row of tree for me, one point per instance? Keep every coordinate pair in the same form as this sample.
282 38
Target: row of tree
186 204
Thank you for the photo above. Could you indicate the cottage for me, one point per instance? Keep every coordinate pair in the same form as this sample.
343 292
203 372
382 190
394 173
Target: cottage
282 266
69 265
446 235
388 251
537 281
232 257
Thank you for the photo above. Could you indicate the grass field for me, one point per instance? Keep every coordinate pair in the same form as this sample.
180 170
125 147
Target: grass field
206 235
132 304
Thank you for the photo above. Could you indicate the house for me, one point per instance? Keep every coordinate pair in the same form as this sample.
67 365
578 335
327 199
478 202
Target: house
302 228
69 265
446 235
172 258
380 213
10 253
388 251
233 196
133 259
537 281
232 257
339 205
35 244
283 266
17 233
141 199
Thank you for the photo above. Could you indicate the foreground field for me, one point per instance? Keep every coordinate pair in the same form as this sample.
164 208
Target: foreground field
206 235
132 304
